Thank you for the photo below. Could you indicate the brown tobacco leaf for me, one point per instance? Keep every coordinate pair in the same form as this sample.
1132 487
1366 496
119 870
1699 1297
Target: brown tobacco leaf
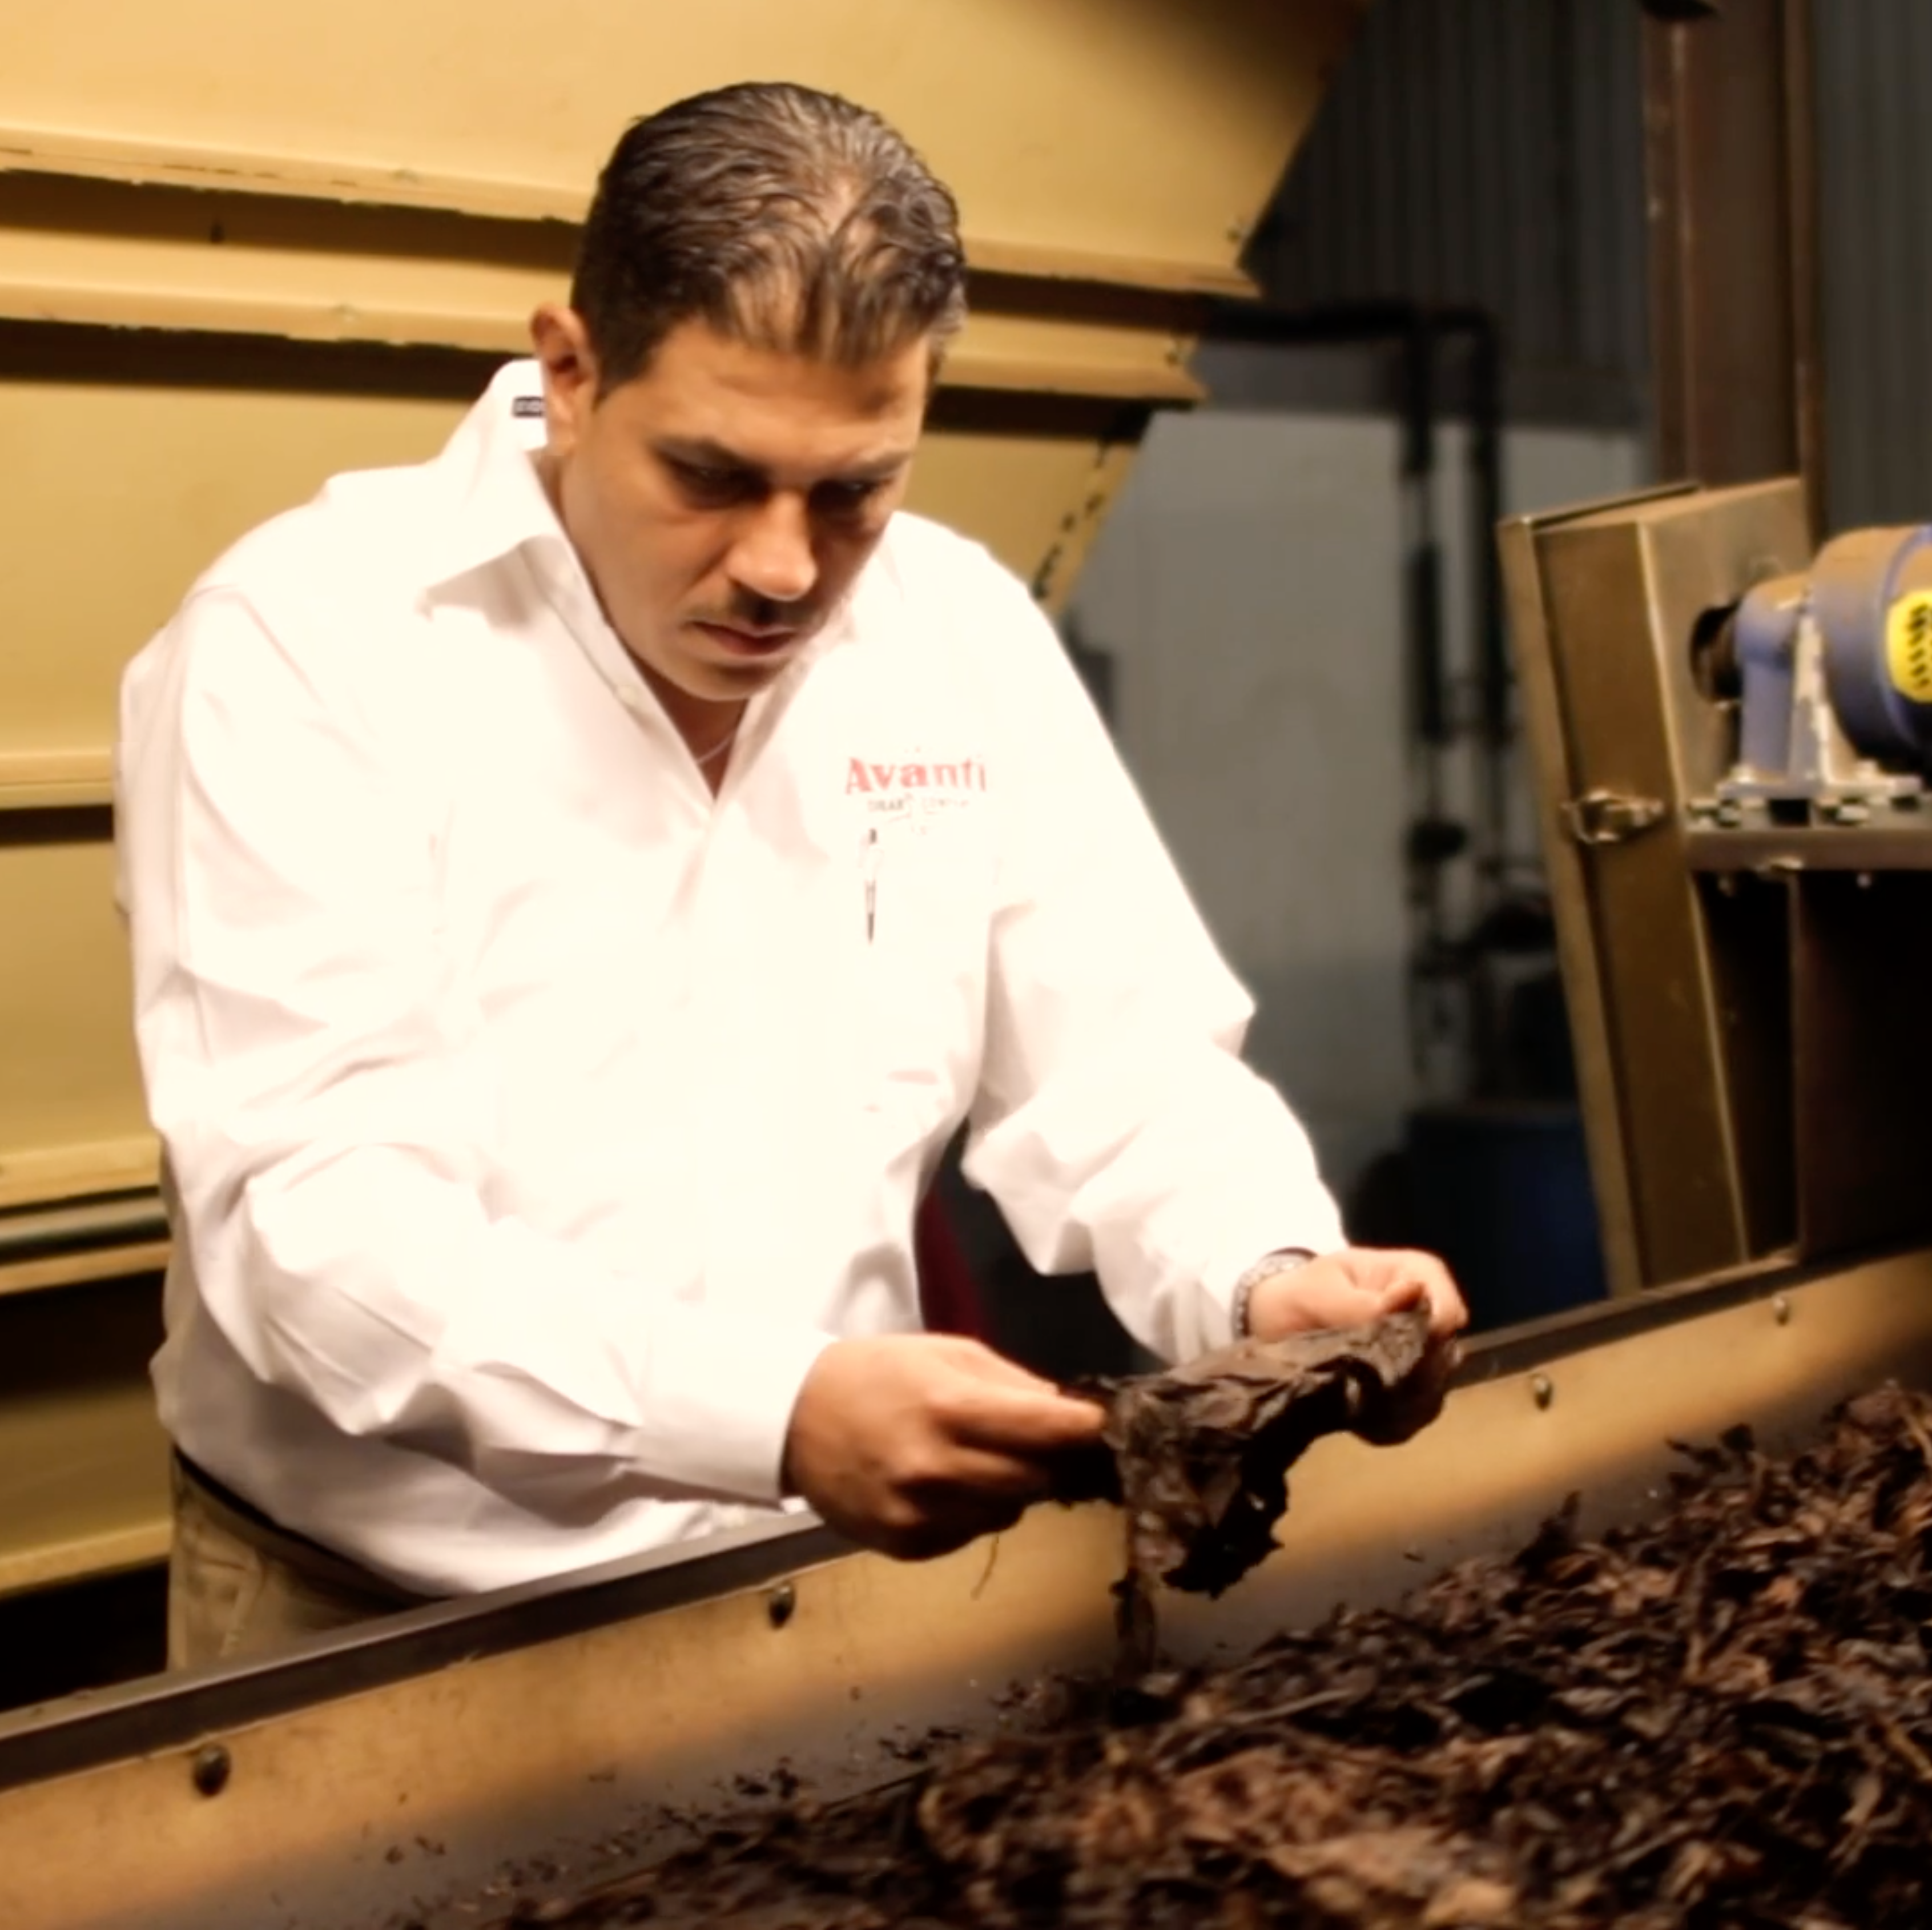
1718 1719
1201 1451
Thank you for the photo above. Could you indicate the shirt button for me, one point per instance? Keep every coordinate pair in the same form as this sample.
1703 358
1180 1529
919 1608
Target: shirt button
633 701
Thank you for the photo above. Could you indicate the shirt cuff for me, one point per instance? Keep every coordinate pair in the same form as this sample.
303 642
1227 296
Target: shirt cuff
720 1422
1217 1290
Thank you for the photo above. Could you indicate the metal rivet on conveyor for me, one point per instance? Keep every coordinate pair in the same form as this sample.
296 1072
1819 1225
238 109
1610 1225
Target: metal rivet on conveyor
781 1604
1780 1308
1542 1389
212 1768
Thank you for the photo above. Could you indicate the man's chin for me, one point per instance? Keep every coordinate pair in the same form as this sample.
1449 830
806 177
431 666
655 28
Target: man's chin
730 682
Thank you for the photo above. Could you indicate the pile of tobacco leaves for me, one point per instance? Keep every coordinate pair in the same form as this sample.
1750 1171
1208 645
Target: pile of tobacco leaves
1722 1718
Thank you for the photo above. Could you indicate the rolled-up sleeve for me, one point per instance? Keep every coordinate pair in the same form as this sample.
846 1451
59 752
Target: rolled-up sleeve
326 1132
1117 1125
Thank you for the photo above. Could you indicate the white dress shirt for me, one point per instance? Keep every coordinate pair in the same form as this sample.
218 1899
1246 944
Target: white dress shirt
532 1118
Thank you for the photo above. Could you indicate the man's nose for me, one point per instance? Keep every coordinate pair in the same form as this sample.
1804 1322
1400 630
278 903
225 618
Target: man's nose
773 557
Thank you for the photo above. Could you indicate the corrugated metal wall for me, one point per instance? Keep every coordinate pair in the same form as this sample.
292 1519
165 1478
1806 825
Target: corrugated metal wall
1485 153
1873 71
1490 153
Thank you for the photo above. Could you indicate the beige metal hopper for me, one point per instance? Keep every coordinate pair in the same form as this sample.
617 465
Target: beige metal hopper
243 248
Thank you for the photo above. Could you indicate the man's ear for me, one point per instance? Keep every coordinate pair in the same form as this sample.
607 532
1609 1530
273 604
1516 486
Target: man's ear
569 365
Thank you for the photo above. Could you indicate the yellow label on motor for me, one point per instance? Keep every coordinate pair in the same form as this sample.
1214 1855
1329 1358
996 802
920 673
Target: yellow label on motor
1908 645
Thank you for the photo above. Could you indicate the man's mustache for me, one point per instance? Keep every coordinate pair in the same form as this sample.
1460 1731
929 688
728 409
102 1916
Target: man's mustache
759 613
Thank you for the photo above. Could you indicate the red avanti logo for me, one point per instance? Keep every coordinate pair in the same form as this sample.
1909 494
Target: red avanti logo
862 775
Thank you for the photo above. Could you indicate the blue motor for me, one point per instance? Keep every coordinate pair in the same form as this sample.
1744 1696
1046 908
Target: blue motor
1871 592
1836 670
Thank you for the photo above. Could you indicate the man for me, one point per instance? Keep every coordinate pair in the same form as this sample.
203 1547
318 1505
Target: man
578 886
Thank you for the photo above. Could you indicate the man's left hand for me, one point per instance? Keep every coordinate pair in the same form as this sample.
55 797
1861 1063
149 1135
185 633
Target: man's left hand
1357 1285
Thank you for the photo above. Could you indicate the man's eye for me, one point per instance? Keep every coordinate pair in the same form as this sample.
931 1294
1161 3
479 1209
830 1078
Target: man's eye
711 484
845 498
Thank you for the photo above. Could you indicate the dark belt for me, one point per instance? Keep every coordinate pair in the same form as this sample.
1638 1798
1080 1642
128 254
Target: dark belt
309 1560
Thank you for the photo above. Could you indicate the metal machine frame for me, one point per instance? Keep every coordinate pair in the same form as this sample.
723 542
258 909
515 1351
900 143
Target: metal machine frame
421 1769
1742 1001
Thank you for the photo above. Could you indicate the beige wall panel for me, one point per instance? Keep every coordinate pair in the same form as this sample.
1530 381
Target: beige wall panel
1131 127
83 1483
83 1461
103 254
95 251
137 489
67 1073
77 1268
47 1175
1012 491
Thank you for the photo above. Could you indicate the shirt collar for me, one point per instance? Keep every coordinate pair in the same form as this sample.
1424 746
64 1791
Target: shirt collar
497 505
496 502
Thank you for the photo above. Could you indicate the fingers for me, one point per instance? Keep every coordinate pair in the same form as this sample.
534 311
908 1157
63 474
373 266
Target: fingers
1447 1314
962 1494
1401 1279
1359 1285
915 1444
997 1427
979 1362
940 1533
994 1404
974 1471
1330 1291
1406 1292
1014 1421
1405 1280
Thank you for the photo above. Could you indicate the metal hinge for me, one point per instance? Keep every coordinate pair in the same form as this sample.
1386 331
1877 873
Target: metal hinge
1610 817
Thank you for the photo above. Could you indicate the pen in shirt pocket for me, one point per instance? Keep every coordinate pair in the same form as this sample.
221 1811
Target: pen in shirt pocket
869 856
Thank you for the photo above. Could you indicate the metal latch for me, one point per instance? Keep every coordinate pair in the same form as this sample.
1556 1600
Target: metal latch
1610 817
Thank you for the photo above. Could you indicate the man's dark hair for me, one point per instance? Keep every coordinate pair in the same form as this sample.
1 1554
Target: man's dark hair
783 217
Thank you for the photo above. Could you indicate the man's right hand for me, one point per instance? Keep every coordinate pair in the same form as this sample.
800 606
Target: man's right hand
916 1444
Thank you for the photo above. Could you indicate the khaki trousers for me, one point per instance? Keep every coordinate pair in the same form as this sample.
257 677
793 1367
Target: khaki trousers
239 1586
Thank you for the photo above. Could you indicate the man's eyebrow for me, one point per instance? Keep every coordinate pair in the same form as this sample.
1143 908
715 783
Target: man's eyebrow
880 469
700 452
703 454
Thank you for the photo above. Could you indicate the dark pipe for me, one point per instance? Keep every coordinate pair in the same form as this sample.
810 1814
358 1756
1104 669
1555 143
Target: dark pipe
1428 669
1493 662
1418 331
